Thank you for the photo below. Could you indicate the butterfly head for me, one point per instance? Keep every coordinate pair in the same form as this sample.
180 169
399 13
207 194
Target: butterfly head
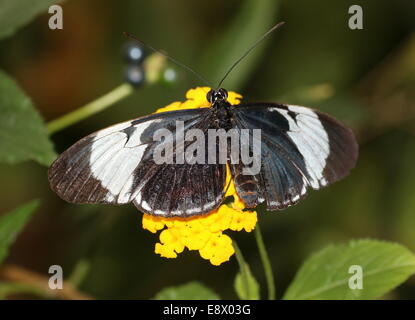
217 96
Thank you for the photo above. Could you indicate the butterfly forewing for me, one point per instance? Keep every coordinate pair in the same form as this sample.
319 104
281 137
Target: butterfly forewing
116 165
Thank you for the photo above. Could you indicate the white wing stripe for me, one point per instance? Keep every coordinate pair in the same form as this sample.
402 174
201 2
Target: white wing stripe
122 181
134 139
311 139
114 166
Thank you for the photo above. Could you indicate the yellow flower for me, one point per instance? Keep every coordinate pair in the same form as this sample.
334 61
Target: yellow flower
203 233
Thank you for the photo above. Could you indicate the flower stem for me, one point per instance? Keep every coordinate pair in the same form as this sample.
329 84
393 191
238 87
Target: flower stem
266 263
91 108
242 267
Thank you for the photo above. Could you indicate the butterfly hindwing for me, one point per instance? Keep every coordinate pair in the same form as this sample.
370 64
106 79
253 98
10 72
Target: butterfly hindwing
116 166
183 190
300 148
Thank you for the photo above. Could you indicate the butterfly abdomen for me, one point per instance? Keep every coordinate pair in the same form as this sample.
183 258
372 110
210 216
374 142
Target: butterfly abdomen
247 189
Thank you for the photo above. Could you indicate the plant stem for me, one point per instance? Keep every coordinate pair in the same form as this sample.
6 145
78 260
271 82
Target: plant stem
91 108
242 267
266 263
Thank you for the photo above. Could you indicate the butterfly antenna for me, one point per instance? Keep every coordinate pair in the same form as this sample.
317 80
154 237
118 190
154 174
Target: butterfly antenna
279 24
170 58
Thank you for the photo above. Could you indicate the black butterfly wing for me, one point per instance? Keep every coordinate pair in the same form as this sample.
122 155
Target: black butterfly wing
182 189
300 148
116 166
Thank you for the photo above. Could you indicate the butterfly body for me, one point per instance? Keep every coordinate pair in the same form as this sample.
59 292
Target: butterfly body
299 148
222 108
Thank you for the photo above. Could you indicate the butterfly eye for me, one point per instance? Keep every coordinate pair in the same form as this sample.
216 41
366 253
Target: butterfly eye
223 93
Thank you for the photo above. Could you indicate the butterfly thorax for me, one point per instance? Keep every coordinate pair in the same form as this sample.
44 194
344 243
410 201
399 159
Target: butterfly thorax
218 99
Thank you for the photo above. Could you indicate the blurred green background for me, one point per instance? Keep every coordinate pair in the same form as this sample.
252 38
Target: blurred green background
366 78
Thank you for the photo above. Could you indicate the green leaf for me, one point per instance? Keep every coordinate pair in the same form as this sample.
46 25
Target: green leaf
246 286
12 223
253 18
246 289
190 291
23 135
16 13
326 275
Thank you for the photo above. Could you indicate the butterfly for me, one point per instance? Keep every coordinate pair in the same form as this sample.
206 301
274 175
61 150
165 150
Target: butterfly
300 148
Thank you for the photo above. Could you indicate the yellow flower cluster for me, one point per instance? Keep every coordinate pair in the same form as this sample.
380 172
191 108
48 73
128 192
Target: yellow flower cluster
203 233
